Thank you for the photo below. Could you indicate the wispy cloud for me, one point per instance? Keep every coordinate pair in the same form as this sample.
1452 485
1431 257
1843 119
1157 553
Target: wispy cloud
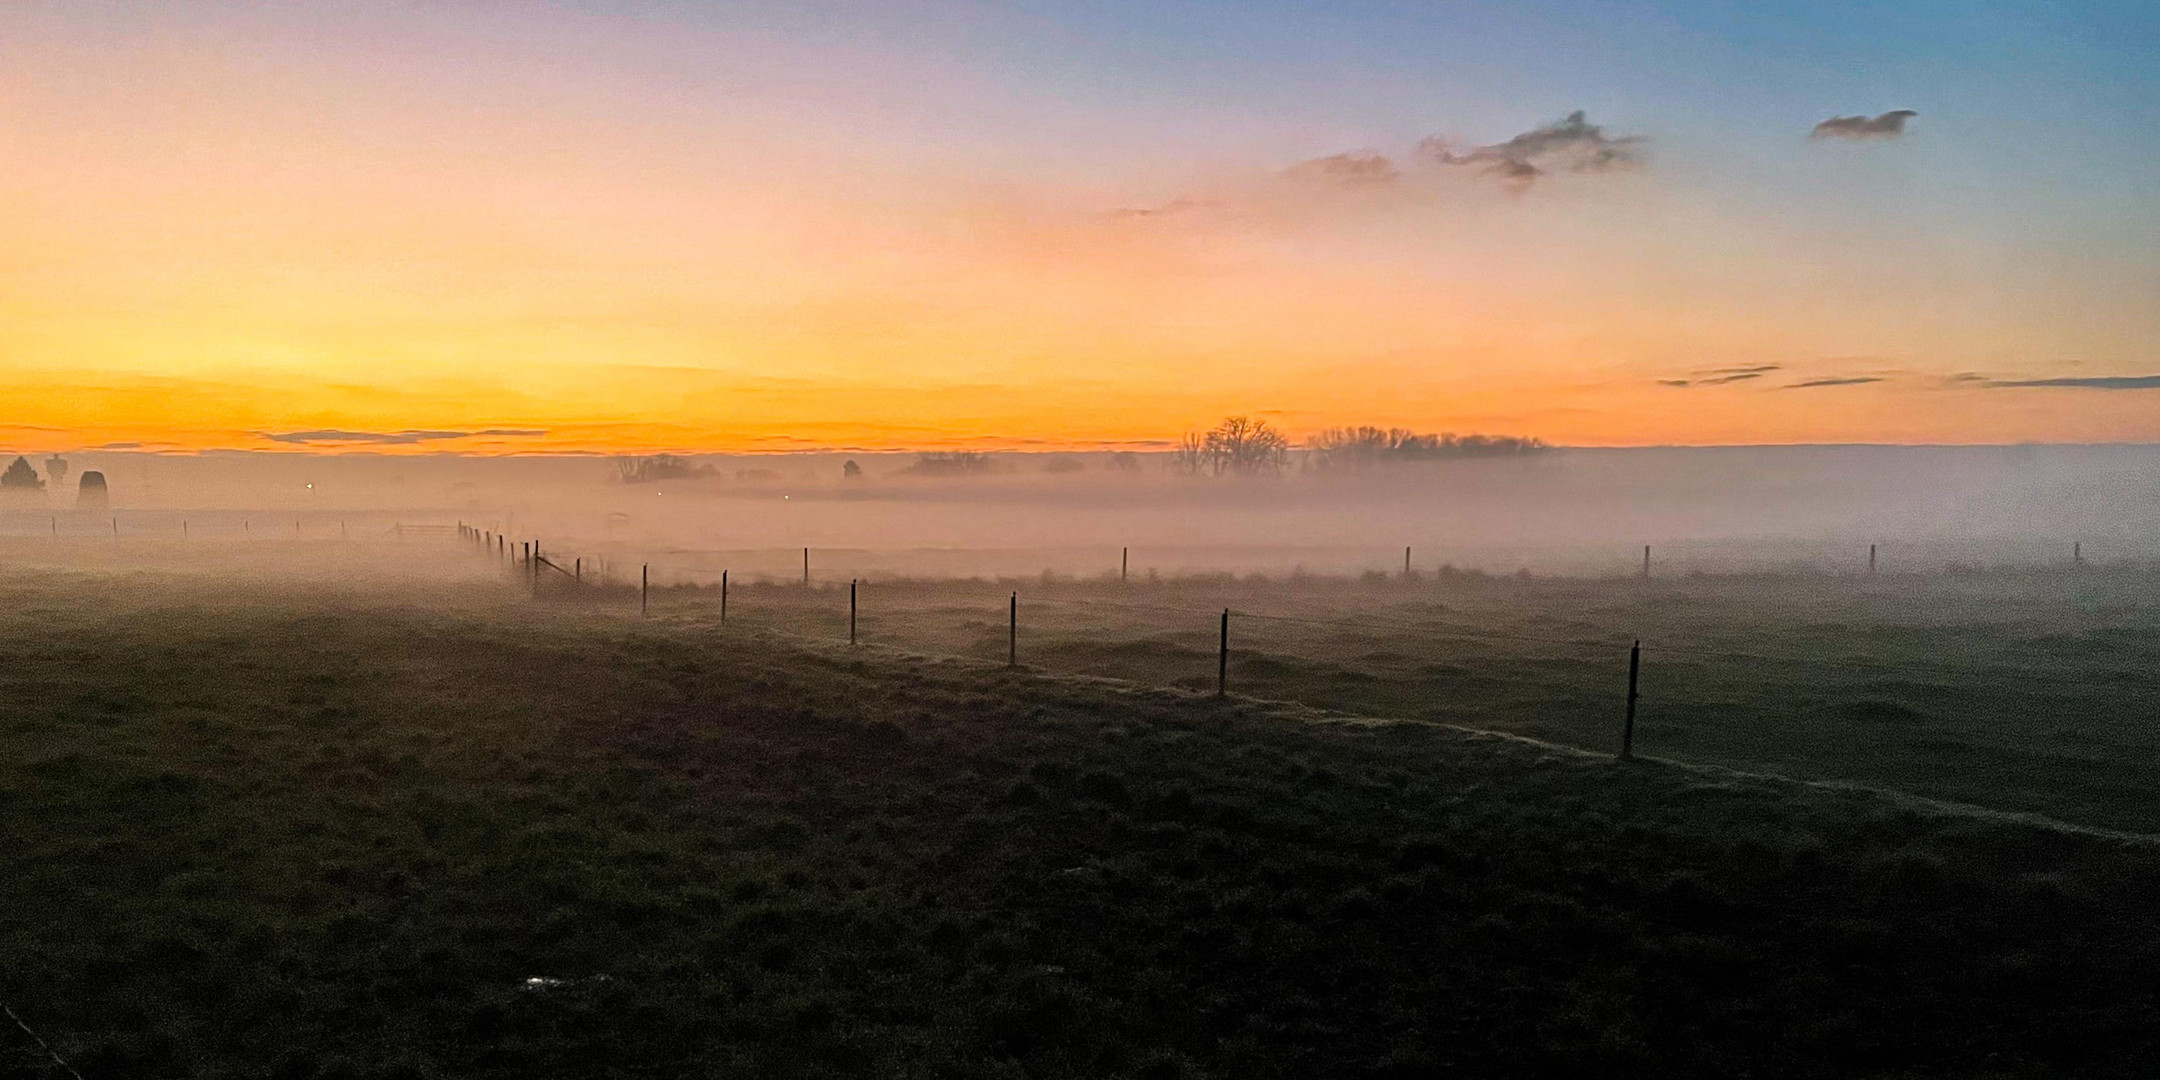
2095 382
1574 144
1889 125
388 438
1363 168
1850 380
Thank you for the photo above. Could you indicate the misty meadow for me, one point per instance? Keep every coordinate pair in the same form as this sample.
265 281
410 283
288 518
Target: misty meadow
1007 539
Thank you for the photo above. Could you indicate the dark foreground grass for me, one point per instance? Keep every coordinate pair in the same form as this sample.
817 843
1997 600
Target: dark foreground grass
336 837
2019 690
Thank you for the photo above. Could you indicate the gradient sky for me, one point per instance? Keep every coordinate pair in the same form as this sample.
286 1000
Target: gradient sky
504 226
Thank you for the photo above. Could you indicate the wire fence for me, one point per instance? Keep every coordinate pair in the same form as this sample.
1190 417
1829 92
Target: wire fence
163 526
2015 726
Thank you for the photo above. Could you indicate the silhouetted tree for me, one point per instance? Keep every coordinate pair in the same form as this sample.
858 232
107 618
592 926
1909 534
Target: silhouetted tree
21 477
950 463
1246 446
1360 447
645 470
1239 446
849 470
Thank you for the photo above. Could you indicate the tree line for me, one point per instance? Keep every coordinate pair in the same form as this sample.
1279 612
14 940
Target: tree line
1238 446
1249 446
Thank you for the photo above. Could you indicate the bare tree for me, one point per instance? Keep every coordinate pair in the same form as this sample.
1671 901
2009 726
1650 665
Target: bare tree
1246 446
1190 456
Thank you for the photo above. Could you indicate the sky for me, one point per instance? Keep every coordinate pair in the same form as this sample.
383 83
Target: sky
499 227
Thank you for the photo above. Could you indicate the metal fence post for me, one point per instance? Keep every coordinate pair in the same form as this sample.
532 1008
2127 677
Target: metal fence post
1222 659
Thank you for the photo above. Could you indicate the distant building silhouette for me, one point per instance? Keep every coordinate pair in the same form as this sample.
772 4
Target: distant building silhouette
90 494
56 470
21 478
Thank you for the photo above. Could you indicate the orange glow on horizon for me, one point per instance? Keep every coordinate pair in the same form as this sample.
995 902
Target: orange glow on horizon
222 251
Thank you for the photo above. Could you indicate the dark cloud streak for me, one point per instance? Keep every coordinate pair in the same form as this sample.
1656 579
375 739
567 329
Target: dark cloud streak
2096 382
1889 125
1715 379
1855 380
388 438
1723 375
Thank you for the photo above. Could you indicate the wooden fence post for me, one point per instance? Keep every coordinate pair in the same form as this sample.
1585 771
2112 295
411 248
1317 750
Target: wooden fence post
806 567
1634 671
1646 562
116 525
1012 633
1222 659
2077 553
723 598
644 588
851 613
1124 562
1871 558
1406 563
577 570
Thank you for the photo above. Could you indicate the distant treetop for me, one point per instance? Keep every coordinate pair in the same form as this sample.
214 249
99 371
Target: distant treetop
645 470
950 463
1239 446
1362 447
21 477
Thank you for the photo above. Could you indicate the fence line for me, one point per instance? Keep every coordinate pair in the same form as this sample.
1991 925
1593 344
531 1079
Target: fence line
1477 634
1623 707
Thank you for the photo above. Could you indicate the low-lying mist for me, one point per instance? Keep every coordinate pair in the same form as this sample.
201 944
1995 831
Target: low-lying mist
1575 511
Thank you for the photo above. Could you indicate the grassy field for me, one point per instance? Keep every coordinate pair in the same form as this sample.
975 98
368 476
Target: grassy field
2019 690
312 830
